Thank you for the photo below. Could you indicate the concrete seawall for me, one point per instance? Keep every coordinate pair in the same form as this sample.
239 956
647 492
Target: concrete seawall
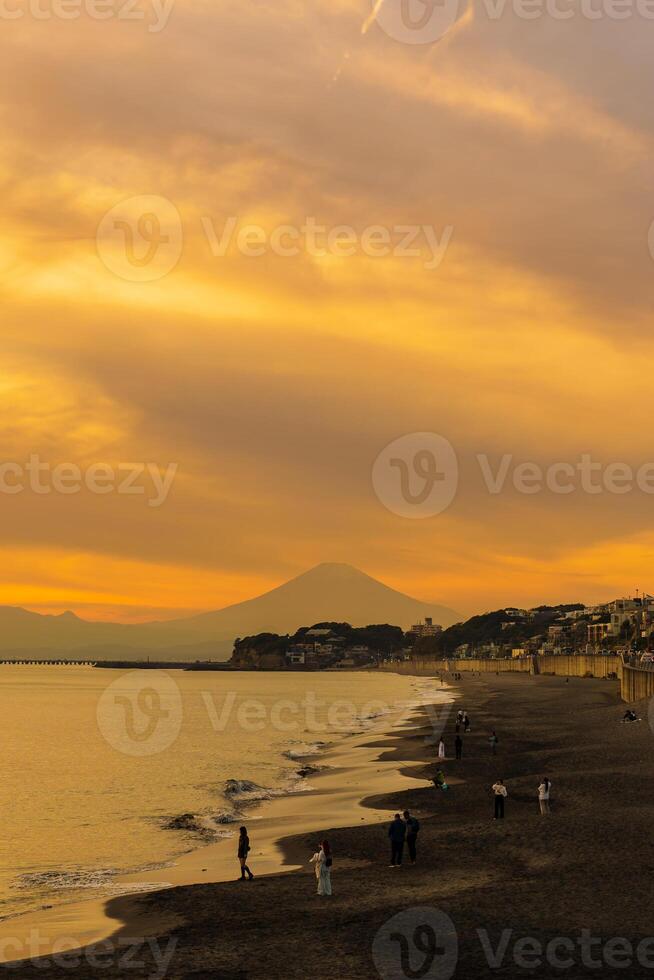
636 684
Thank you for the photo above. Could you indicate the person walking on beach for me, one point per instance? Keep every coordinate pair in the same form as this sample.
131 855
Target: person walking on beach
441 749
412 828
243 850
458 746
397 835
459 717
493 743
500 791
466 722
544 795
323 862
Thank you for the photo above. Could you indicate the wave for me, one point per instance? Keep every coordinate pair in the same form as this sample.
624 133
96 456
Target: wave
247 792
190 823
63 880
305 750
309 770
226 817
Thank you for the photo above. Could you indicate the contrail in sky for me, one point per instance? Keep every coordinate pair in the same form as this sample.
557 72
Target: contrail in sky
372 17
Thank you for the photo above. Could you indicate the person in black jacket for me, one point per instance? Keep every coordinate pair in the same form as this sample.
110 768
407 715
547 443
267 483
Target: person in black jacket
397 834
243 850
412 828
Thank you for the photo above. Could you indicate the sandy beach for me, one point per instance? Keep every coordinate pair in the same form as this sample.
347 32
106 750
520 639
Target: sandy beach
507 889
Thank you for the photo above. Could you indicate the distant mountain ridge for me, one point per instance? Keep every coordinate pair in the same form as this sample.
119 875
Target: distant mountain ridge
328 592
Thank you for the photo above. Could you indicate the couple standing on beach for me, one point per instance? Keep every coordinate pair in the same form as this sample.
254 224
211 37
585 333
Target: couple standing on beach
500 792
322 860
462 718
399 832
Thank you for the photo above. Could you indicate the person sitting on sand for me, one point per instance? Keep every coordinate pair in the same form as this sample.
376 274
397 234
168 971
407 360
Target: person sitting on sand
323 862
439 780
544 795
630 716
397 834
500 791
243 850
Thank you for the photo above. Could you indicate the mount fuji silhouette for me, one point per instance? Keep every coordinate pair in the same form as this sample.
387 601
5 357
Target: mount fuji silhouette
329 592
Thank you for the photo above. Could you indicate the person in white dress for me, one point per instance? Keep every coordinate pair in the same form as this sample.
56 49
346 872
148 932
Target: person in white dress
544 795
441 749
323 862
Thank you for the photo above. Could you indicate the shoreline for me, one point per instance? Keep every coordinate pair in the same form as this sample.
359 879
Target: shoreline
355 772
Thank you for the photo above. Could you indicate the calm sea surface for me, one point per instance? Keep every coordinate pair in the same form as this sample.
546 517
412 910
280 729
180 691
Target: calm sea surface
97 764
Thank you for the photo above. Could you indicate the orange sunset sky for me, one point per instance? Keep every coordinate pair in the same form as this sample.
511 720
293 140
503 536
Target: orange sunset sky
275 381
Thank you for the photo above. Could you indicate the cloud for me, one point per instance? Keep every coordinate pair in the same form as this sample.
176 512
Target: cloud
274 382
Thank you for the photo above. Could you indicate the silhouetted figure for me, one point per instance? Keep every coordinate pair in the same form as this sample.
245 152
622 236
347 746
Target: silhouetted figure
493 740
397 835
458 746
412 828
243 851
500 791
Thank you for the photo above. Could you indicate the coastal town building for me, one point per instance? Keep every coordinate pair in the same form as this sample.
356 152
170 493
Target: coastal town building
597 631
428 628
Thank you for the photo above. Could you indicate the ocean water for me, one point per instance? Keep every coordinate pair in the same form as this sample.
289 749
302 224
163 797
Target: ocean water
106 772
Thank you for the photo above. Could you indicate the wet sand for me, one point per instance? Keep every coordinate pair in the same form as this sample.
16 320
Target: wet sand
587 866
